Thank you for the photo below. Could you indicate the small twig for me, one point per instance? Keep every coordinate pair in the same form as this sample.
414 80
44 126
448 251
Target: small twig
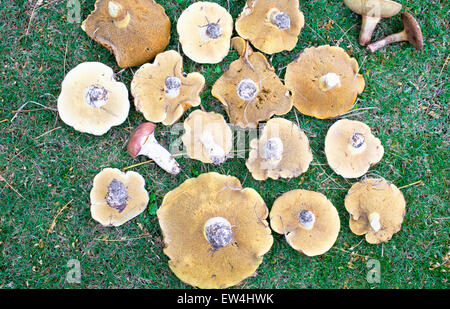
48 132
411 184
23 106
10 186
52 226
120 240
135 165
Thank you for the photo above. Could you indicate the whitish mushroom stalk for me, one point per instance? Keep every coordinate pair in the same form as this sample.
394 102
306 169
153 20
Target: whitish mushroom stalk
329 81
117 195
247 89
374 219
273 150
218 232
358 142
95 96
211 31
216 153
279 19
162 157
306 219
172 86
119 14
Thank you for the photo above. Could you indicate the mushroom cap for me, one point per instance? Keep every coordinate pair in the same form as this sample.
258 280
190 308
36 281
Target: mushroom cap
148 89
254 24
373 195
272 96
303 76
136 202
183 214
413 31
296 155
200 122
342 157
74 110
313 241
374 8
146 34
138 137
191 26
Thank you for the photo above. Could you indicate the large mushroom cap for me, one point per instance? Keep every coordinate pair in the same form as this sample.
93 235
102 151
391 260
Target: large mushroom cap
351 148
271 26
413 31
376 208
281 151
240 215
308 220
162 92
91 100
134 30
324 81
117 197
374 8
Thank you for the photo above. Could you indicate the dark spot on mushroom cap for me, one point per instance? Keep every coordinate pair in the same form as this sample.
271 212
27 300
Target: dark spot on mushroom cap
117 195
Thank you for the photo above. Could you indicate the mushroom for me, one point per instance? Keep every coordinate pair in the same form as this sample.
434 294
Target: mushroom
411 33
377 209
251 90
91 100
308 220
143 142
162 91
204 31
215 232
372 11
207 137
117 197
351 149
135 31
281 151
324 81
271 26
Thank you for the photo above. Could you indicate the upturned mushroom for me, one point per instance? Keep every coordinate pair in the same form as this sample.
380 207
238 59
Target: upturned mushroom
351 148
162 91
143 142
308 220
91 100
204 31
215 232
135 31
377 209
281 151
324 81
271 26
117 197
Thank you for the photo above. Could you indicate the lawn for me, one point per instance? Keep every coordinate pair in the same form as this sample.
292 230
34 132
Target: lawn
47 168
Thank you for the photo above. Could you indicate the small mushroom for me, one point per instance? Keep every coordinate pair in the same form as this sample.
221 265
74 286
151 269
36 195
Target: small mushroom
135 31
372 11
207 137
351 149
204 31
411 33
91 100
324 81
117 197
377 209
308 220
215 232
271 26
281 151
162 91
143 142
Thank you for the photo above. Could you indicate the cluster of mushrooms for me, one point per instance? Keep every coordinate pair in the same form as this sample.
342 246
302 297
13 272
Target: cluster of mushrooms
231 221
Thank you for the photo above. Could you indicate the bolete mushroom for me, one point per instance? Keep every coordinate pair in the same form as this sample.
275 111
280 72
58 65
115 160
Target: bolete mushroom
281 151
271 26
207 137
377 209
372 11
91 100
204 31
308 220
250 89
411 33
351 148
324 81
215 232
117 197
162 91
143 142
135 31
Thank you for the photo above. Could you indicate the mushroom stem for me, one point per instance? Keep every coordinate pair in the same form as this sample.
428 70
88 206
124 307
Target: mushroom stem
280 19
374 219
273 150
306 219
396 37
216 153
218 232
152 149
368 26
329 81
119 13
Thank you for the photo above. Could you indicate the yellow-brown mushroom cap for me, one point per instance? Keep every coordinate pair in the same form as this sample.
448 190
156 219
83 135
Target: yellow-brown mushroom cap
136 200
182 217
156 98
256 24
295 157
312 240
351 148
375 196
304 77
374 8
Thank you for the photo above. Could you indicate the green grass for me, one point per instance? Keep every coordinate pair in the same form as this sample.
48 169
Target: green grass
49 164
